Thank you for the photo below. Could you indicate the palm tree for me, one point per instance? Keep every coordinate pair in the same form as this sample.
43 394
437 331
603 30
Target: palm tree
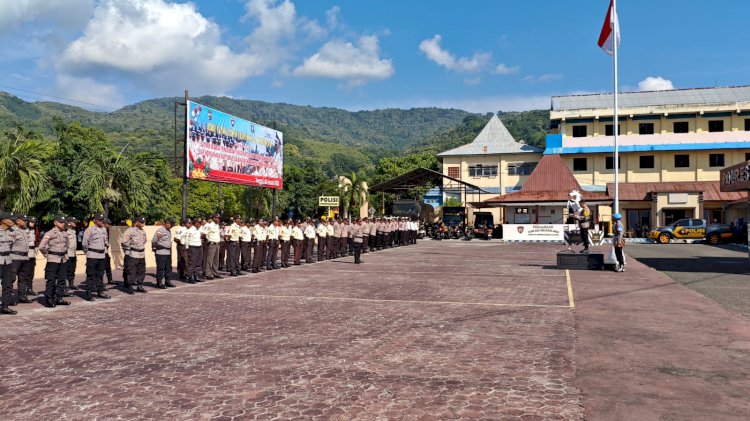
23 174
106 177
353 192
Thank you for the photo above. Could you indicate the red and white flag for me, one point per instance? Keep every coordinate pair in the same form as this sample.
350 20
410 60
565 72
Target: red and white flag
610 31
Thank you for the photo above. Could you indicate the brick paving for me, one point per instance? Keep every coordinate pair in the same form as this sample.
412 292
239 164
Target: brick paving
440 330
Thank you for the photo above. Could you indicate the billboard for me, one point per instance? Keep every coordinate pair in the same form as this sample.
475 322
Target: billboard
227 149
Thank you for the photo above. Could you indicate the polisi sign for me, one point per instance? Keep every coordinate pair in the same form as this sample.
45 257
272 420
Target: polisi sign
736 177
328 201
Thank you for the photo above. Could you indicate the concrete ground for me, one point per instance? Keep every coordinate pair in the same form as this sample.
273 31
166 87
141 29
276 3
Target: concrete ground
440 330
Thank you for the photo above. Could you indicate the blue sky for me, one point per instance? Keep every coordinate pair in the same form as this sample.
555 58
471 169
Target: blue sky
481 55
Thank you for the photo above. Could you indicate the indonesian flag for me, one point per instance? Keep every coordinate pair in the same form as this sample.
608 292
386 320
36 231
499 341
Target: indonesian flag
610 31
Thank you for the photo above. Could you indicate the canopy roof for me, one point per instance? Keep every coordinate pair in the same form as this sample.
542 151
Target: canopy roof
419 177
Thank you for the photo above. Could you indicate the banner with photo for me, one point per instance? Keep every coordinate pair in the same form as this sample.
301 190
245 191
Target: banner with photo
227 149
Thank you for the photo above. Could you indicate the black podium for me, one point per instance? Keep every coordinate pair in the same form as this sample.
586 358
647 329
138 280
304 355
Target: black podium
569 259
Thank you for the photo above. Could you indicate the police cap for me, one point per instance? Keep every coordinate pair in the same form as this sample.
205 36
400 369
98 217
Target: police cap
107 221
170 221
6 215
140 219
21 216
99 216
186 221
59 218
32 219
71 219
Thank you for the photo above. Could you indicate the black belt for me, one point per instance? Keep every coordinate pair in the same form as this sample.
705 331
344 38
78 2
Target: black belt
20 253
137 250
56 253
163 248
96 251
32 247
4 253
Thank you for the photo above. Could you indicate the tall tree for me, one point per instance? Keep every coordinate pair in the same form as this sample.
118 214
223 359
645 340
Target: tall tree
23 172
353 192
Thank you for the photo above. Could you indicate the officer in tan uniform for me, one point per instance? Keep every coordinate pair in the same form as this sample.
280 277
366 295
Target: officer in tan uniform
357 239
259 239
336 237
72 259
322 231
344 239
246 245
195 252
298 241
134 242
180 237
95 245
309 240
28 275
373 234
213 237
272 243
54 247
285 236
161 244
329 239
232 240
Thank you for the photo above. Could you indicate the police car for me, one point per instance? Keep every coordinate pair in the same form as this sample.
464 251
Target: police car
692 229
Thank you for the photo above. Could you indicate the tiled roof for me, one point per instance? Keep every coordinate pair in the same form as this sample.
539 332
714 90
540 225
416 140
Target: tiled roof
493 139
551 181
642 191
702 96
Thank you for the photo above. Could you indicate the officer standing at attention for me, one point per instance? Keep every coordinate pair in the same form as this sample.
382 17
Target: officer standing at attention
95 246
246 245
195 252
373 234
72 259
309 240
134 241
298 241
336 237
180 237
6 263
54 247
322 239
285 237
232 241
365 234
28 276
213 236
344 239
329 239
19 253
107 258
223 246
259 236
161 244
303 226
358 238
272 233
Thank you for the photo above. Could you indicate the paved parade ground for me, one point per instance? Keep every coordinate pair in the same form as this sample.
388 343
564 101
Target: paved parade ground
439 330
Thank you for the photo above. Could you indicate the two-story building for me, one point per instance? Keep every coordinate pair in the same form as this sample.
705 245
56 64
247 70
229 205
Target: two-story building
494 161
672 146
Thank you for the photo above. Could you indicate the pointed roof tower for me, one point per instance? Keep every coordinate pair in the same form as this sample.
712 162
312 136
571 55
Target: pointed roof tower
492 140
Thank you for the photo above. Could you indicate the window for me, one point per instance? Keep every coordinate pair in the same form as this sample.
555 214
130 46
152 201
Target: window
609 130
646 161
716 125
716 160
681 161
454 172
525 168
681 126
646 128
579 131
609 161
747 124
747 156
579 164
479 170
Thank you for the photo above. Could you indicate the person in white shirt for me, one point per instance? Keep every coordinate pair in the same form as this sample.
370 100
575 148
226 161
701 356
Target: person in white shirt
322 239
309 239
213 236
246 245
298 241
195 252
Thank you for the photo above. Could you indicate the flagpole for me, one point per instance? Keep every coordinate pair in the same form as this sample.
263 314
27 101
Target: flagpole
616 121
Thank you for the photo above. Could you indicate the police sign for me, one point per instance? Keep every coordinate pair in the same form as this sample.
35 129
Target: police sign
328 201
736 177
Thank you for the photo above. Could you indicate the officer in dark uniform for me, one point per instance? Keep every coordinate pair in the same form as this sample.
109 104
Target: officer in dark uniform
161 244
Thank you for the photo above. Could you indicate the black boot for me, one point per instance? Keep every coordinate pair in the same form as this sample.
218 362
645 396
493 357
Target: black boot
31 292
103 295
160 284
139 288
6 310
23 299
87 296
61 302
169 283
49 303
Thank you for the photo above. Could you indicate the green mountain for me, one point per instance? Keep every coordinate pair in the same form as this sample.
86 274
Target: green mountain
339 141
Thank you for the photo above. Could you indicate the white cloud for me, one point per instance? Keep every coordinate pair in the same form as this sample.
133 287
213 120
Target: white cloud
341 60
473 81
655 84
88 93
547 77
502 69
166 47
435 52
332 17
69 14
